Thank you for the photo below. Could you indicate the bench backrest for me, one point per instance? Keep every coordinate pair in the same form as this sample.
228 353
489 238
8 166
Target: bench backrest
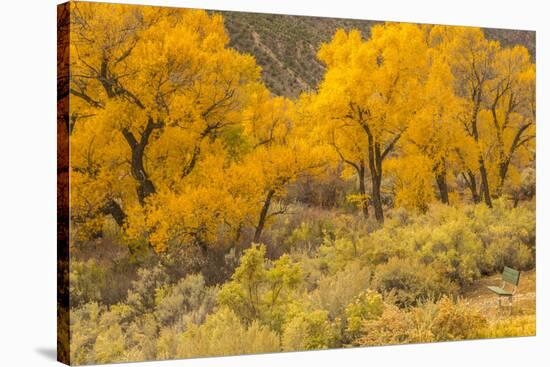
510 275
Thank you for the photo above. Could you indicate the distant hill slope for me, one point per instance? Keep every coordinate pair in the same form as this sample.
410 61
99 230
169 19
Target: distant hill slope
285 46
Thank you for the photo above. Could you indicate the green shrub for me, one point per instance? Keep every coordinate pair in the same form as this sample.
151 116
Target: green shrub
312 268
345 282
338 253
260 289
508 235
384 244
307 235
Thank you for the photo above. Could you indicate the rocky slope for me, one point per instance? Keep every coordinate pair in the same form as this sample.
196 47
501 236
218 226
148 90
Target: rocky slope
285 45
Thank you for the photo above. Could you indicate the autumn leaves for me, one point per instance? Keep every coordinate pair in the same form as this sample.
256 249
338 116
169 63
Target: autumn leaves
427 111
177 139
175 136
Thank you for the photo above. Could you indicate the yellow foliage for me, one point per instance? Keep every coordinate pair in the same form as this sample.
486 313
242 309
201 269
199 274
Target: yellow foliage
511 327
173 134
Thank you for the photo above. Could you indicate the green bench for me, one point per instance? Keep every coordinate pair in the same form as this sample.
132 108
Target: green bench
509 277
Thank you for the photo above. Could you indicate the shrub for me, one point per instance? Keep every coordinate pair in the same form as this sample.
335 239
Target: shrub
421 319
503 221
457 320
141 337
508 235
307 235
84 329
308 331
366 306
110 345
312 268
99 335
509 253
455 250
87 281
441 321
344 283
338 253
392 327
382 245
224 334
511 326
398 326
336 291
260 289
189 300
141 295
167 343
409 282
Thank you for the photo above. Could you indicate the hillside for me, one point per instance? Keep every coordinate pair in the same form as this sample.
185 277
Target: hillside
285 45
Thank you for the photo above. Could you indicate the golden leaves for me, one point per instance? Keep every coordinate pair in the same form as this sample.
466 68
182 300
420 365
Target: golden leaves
161 104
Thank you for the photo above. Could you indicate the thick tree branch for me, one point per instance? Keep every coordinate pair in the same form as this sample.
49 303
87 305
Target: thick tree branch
391 145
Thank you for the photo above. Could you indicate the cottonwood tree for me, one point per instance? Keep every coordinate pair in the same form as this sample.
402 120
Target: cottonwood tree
153 93
494 84
432 139
472 57
509 114
369 91
282 151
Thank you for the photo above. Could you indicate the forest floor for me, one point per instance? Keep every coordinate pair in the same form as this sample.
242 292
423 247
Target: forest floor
524 300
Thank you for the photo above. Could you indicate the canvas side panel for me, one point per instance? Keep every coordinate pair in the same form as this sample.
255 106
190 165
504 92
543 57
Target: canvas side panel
63 331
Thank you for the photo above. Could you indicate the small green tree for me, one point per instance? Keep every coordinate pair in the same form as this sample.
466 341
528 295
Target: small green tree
260 289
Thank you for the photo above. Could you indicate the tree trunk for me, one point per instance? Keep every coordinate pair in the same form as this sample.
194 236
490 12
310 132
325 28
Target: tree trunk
263 216
375 167
475 134
472 184
442 186
115 210
377 198
145 185
363 190
502 173
507 157
485 183
376 155
440 171
375 164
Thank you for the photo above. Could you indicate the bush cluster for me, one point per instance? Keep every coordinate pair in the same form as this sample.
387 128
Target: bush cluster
341 281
